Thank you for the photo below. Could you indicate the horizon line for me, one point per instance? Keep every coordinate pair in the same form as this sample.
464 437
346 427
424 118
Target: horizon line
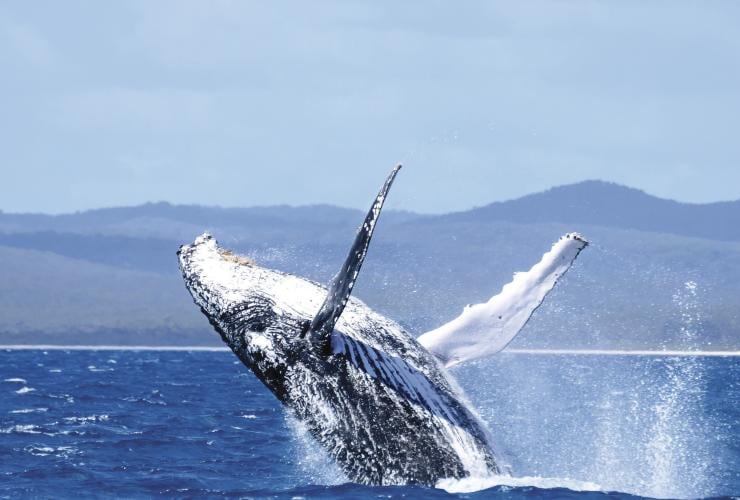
577 352
401 210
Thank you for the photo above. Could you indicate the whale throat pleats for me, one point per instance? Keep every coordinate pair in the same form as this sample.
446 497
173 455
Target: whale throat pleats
341 286
487 328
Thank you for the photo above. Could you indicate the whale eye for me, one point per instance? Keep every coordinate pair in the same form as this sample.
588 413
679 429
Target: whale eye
255 317
257 326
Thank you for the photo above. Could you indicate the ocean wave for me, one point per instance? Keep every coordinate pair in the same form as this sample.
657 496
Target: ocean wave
25 390
94 368
30 410
67 397
86 420
44 451
630 425
21 429
15 380
154 397
39 451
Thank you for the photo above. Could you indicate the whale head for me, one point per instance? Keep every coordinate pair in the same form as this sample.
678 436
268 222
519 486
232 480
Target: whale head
262 314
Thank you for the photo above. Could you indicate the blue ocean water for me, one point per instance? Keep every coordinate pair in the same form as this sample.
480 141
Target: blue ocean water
181 424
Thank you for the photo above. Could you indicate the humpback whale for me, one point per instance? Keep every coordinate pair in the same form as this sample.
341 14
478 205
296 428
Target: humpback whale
379 401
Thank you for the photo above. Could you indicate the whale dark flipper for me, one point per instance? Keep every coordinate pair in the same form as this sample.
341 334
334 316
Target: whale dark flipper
341 286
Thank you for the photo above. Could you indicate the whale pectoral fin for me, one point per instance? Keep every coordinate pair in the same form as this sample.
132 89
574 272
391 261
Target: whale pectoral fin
485 329
342 284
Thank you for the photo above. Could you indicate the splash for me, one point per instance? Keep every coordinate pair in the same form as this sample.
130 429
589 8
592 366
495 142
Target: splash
636 424
651 437
677 431
472 484
313 462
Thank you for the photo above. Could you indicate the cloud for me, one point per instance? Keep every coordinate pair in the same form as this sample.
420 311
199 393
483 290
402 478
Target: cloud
312 102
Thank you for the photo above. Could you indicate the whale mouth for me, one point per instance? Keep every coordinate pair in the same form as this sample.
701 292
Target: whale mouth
221 282
186 251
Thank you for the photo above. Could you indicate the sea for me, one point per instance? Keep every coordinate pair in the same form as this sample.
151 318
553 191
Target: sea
142 423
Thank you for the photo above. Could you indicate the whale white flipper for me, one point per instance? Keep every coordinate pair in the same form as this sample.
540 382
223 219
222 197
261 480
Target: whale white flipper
487 328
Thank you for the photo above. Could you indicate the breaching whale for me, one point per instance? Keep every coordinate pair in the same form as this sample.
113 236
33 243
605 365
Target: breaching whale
379 401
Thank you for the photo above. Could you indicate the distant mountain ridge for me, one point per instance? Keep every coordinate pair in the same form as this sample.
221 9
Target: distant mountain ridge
110 275
613 205
590 202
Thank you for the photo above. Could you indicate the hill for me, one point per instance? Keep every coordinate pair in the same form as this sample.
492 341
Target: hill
110 275
611 205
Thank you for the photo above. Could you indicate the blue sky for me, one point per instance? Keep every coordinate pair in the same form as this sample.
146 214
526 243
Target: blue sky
246 103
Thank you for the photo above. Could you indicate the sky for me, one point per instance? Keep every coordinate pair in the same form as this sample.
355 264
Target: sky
239 103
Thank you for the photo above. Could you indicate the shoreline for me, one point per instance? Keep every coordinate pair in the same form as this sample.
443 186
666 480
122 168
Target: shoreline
562 352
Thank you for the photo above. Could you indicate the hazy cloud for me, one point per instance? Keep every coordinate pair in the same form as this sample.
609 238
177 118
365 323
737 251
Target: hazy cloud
240 103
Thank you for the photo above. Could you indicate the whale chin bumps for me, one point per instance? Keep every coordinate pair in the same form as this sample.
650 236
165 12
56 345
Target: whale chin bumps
377 400
241 260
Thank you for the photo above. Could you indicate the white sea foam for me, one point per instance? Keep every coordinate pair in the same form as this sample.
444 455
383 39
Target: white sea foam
66 397
24 390
88 419
94 368
15 380
21 429
39 451
30 410
43 451
313 460
471 484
